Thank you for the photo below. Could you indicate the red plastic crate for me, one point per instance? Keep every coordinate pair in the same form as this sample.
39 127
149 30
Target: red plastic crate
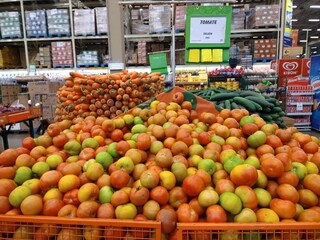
42 227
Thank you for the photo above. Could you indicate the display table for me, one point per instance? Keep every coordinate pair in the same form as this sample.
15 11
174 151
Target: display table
7 120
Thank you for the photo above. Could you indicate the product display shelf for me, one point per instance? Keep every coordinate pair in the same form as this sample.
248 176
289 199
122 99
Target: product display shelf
22 6
230 82
299 101
27 41
266 84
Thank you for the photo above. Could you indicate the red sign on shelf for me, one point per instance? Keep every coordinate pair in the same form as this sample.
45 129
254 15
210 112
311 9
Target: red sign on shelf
306 67
290 67
293 71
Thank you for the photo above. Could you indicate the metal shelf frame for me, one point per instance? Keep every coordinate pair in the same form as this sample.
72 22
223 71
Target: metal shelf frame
22 5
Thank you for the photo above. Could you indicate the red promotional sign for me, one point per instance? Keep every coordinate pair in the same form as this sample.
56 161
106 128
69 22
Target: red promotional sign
306 67
290 67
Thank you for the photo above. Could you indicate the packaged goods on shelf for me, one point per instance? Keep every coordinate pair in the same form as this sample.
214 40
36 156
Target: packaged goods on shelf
58 22
160 18
87 58
238 18
139 21
265 49
291 52
263 16
101 20
10 25
61 53
45 56
9 57
36 23
84 22
181 17
142 52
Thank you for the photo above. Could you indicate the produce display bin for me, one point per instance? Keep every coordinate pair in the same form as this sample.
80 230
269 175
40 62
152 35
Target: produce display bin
43 227
246 231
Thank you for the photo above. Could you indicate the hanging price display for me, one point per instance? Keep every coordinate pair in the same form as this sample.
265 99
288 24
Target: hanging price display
208 34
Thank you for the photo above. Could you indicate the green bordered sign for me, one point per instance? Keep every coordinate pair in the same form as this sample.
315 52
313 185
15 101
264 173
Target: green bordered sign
208 34
158 62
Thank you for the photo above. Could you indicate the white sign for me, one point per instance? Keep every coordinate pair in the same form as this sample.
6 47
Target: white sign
299 106
204 30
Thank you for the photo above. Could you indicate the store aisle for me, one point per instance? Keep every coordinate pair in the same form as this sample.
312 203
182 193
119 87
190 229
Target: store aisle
15 139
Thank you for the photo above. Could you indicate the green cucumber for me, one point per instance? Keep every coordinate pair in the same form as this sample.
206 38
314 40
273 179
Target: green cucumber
266 117
246 103
223 96
257 105
227 104
234 105
221 104
277 109
262 102
266 110
248 93
274 115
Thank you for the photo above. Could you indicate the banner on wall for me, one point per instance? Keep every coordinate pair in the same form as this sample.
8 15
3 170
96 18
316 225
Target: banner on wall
288 24
315 73
294 36
315 83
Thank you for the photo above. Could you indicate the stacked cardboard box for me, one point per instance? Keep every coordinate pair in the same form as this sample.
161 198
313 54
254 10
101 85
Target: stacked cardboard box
181 18
10 25
265 49
142 52
238 18
160 18
131 57
58 22
45 56
87 58
101 20
36 23
264 16
139 20
9 57
45 91
61 54
9 93
84 22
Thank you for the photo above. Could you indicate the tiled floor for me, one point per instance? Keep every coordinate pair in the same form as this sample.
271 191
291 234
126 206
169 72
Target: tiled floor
15 139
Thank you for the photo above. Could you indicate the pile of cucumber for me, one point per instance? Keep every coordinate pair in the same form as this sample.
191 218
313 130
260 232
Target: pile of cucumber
268 108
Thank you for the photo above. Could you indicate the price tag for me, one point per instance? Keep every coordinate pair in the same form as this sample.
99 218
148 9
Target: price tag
208 30
299 106
32 69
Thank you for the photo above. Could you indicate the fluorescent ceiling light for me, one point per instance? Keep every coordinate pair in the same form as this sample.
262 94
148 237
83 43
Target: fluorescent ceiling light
303 41
294 20
314 37
294 6
306 29
318 29
314 20
314 47
314 6
314 52
255 37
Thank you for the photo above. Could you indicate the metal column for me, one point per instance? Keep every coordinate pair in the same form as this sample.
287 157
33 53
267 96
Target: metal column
116 33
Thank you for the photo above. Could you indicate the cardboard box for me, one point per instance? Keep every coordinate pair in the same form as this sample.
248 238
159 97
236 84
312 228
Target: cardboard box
289 122
43 87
